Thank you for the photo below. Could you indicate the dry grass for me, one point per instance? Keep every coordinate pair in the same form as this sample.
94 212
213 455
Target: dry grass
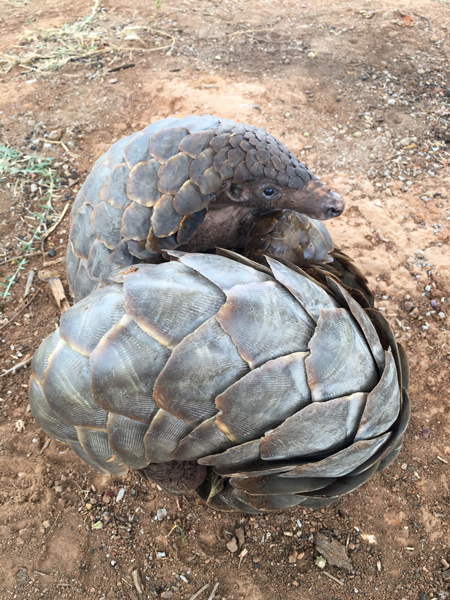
22 173
83 40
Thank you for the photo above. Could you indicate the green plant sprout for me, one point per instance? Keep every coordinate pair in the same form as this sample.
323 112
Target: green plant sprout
22 170
180 532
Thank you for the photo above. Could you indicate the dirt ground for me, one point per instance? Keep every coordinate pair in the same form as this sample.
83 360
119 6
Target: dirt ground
360 92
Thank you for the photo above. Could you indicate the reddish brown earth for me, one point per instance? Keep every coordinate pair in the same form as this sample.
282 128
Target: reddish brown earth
360 91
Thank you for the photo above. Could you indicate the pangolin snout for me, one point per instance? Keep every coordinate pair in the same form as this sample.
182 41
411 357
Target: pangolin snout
335 206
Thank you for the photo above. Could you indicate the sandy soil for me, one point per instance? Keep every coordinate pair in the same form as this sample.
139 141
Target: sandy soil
360 91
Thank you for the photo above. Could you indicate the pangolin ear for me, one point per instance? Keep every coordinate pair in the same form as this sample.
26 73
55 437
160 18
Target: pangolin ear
234 191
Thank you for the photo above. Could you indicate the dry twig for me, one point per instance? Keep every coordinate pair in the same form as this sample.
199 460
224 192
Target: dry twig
55 224
250 31
213 593
197 594
29 283
16 314
17 367
332 577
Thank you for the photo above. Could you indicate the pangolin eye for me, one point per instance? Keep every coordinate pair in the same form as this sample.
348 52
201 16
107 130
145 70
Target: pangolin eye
269 192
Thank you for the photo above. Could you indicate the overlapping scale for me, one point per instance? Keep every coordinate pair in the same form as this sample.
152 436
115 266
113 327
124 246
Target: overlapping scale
210 182
161 124
114 190
67 387
97 448
188 199
195 143
165 220
229 499
340 362
121 256
80 199
263 398
78 449
199 123
369 331
180 298
137 150
163 435
274 484
311 296
73 263
142 186
106 222
164 143
219 270
344 485
84 284
114 156
136 222
383 403
189 225
126 439
265 322
341 462
48 419
124 367
173 173
321 427
140 250
40 358
94 183
236 457
205 439
99 266
88 321
203 364
267 503
81 233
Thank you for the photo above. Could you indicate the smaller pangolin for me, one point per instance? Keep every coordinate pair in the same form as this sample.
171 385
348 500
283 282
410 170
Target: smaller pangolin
189 184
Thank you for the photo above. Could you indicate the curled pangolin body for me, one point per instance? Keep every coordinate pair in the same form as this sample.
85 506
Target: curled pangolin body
257 384
258 387
170 187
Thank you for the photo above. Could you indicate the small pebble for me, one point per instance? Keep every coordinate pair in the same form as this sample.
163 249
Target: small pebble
240 535
161 514
441 315
114 80
51 253
320 562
